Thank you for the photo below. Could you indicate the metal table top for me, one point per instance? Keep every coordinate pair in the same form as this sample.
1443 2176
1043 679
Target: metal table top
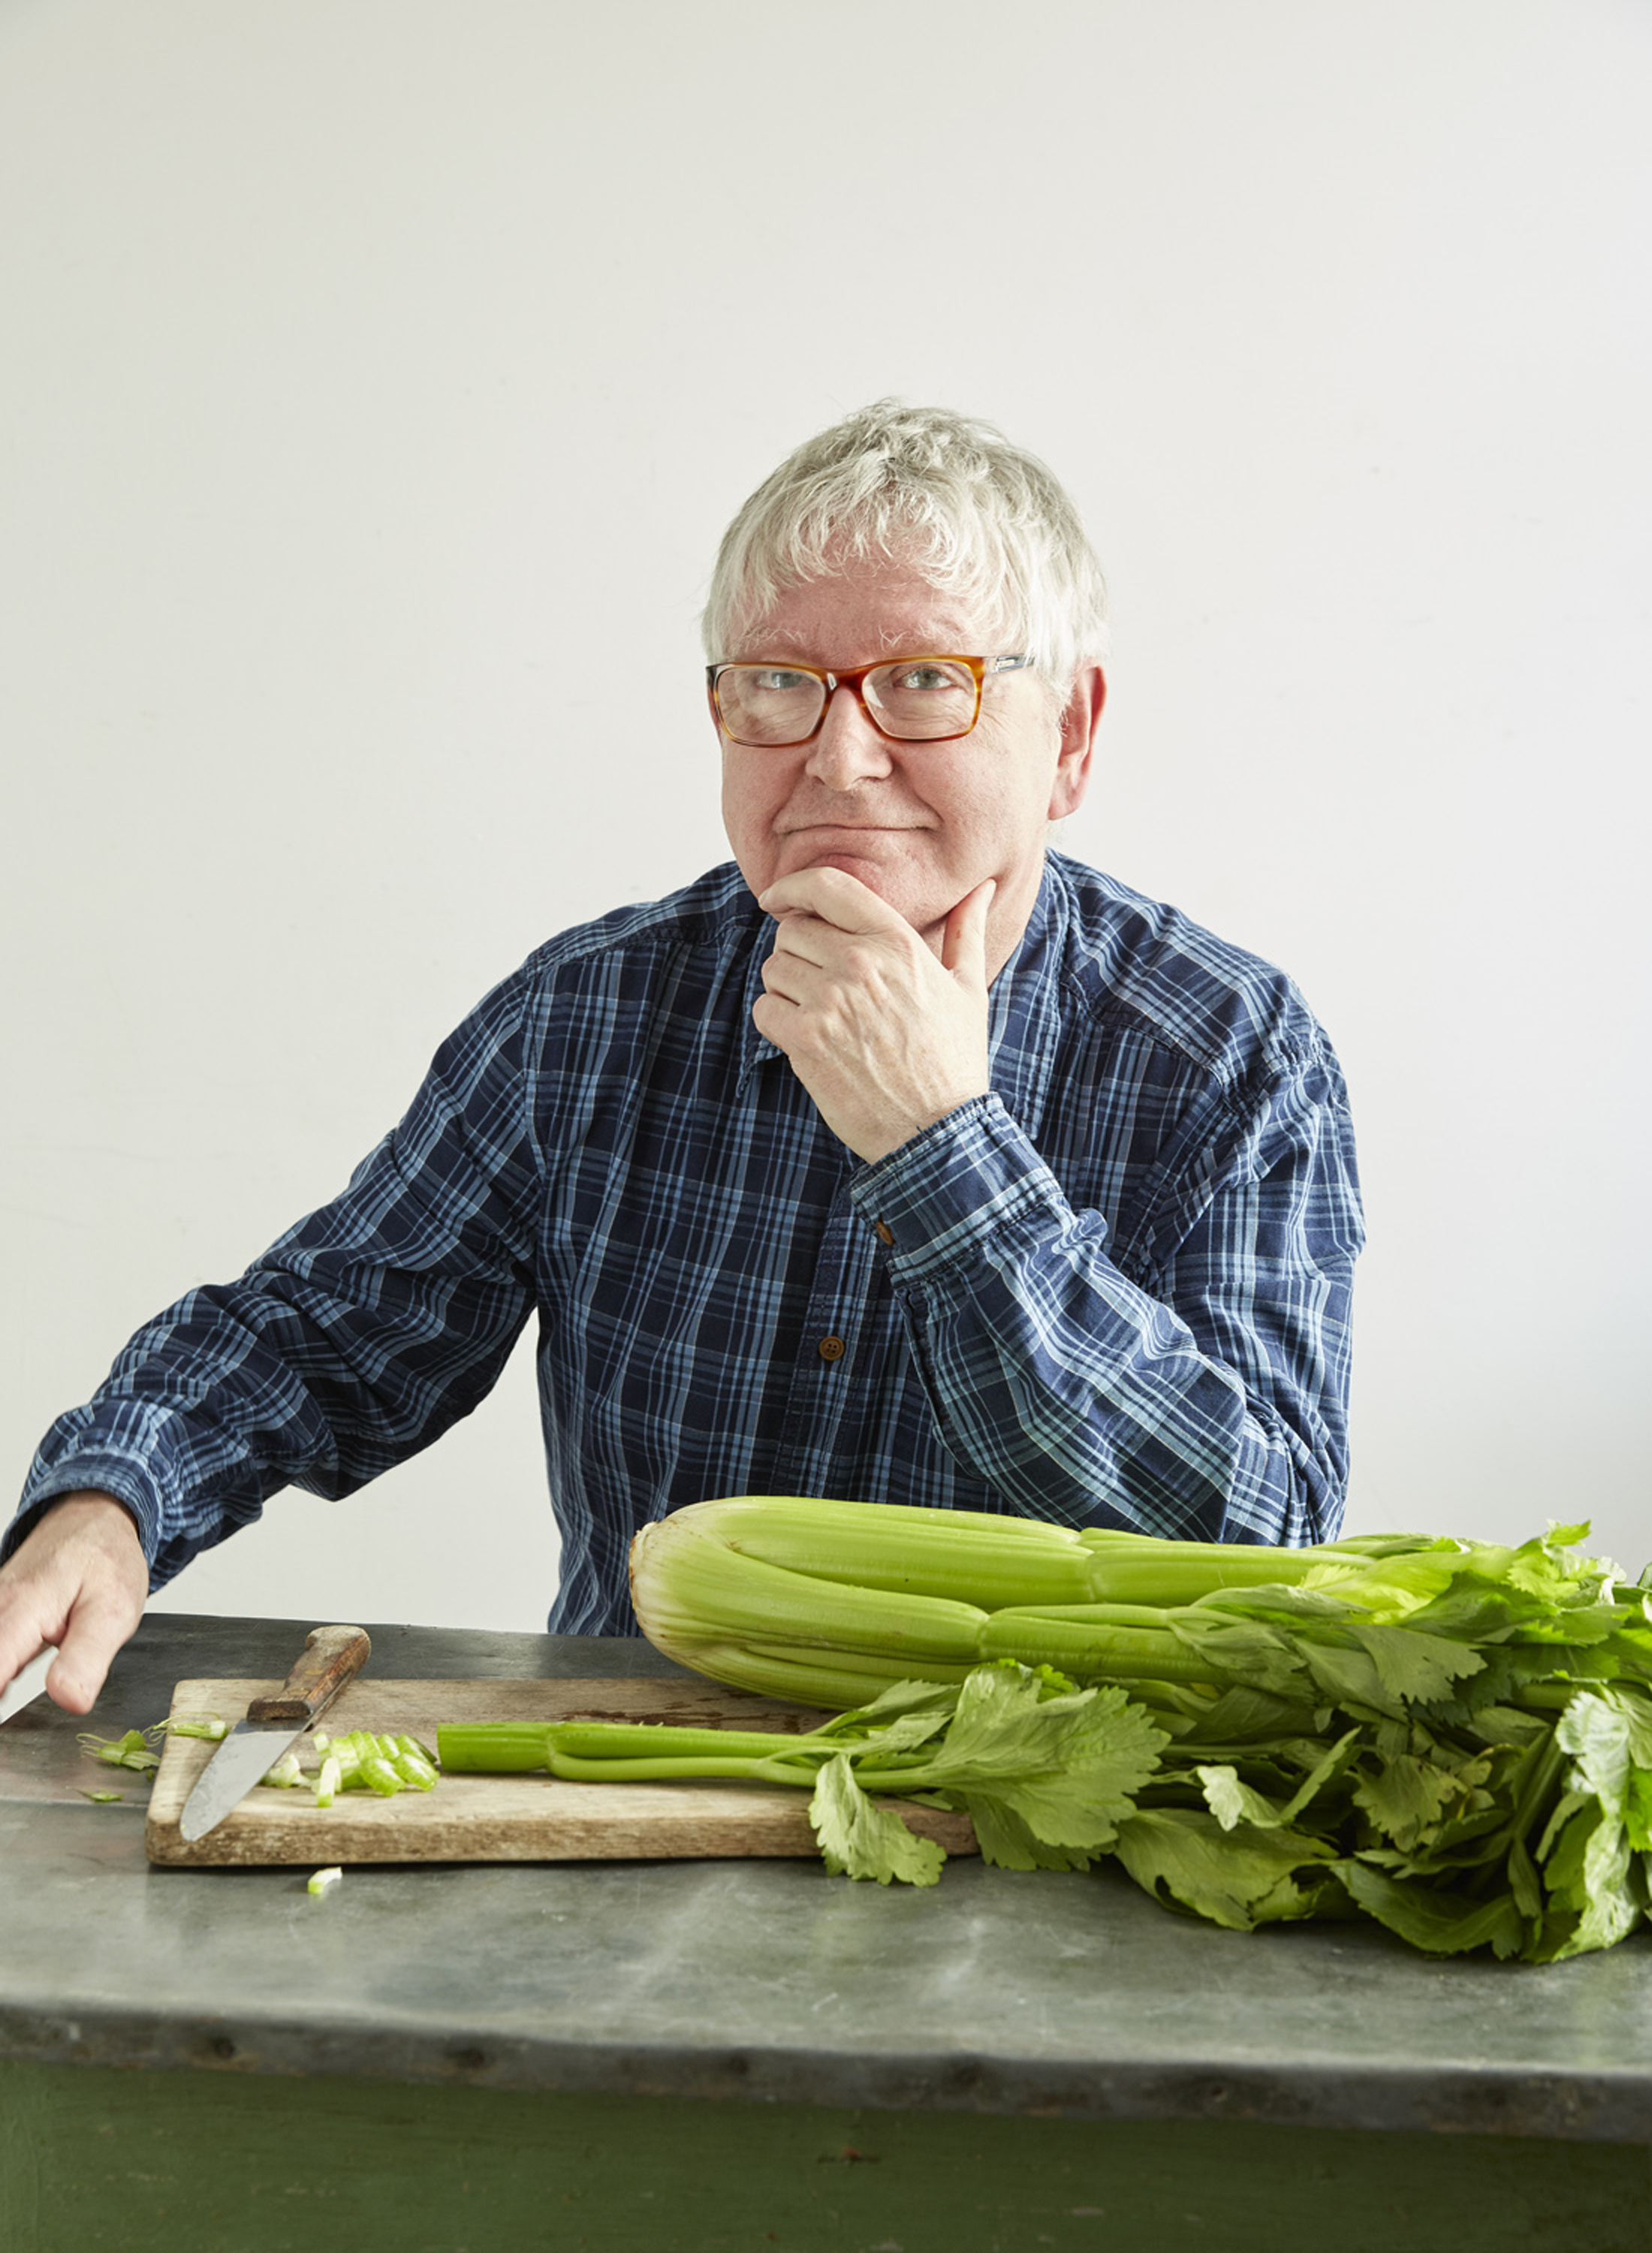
998 1991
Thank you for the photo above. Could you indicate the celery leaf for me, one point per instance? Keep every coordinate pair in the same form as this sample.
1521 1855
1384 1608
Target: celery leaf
1240 1879
860 1839
1435 1920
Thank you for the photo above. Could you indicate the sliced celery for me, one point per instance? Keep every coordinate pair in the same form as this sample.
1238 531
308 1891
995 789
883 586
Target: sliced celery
380 1777
413 1770
130 1751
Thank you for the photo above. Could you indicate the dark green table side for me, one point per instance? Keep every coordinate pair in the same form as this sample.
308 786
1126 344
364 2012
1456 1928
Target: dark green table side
178 2162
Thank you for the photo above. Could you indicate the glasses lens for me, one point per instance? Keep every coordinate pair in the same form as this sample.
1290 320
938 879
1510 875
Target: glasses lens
922 697
769 703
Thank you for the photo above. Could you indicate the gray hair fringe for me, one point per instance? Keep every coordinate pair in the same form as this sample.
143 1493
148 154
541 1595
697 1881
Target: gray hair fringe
979 518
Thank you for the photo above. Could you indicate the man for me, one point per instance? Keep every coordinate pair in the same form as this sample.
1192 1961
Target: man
901 1158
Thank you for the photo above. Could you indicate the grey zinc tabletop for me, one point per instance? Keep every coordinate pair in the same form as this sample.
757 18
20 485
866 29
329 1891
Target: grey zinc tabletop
1038 1994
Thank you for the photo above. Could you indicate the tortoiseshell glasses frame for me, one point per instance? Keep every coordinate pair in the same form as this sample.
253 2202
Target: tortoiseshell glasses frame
854 680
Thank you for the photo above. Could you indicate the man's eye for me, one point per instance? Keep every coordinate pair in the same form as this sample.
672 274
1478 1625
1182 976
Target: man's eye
773 677
922 677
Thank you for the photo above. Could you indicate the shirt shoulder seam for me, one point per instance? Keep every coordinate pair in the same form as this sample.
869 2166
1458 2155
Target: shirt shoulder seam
701 927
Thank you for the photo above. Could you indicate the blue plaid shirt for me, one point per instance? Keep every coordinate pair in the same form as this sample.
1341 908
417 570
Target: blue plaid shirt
1112 1292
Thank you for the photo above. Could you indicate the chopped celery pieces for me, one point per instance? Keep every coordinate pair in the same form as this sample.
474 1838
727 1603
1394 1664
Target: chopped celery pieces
362 1762
135 1751
131 1751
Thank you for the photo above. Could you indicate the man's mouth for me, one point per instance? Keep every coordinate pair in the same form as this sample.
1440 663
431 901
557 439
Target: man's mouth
847 828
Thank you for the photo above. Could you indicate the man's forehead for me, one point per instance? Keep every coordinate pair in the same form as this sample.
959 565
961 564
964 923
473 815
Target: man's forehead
935 633
865 614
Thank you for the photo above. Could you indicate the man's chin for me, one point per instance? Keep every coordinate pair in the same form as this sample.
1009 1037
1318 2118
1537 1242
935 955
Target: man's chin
925 918
860 866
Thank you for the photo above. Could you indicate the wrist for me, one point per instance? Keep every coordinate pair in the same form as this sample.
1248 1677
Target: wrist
87 1507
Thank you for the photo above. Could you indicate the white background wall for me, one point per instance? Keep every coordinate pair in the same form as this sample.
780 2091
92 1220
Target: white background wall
373 372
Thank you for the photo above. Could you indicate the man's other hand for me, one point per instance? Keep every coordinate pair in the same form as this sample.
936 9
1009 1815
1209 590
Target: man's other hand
79 1581
886 1037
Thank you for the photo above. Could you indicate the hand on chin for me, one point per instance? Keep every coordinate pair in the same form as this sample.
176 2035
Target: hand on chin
879 857
893 885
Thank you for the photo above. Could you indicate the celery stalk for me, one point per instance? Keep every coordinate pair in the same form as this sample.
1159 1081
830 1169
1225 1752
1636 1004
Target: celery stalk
646 1752
831 1679
1087 1645
490 1748
1003 1560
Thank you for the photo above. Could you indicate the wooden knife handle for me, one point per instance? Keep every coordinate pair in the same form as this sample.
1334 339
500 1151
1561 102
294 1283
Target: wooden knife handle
332 1656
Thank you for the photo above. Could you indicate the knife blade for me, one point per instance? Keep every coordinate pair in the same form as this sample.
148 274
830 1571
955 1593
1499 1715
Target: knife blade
332 1656
27 1684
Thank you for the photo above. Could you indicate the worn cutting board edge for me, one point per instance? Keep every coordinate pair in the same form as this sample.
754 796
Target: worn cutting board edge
502 1819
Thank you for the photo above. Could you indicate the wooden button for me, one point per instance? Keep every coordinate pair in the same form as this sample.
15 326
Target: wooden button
832 1348
883 1233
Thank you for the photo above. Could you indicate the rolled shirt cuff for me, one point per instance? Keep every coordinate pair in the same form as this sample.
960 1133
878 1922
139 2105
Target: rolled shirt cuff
90 1469
936 1199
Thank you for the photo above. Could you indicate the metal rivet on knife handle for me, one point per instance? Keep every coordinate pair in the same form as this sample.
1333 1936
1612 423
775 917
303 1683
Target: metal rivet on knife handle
332 1656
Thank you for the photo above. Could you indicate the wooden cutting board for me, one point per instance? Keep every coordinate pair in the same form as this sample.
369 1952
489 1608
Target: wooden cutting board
503 1819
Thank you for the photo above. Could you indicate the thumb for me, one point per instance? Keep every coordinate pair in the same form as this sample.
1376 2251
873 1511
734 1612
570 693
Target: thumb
964 943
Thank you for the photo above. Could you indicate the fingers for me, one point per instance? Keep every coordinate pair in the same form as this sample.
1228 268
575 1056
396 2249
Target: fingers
842 965
775 1017
794 981
806 938
832 894
99 1624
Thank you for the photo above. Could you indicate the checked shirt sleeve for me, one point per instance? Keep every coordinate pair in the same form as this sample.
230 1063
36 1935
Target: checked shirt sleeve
353 1343
1210 1406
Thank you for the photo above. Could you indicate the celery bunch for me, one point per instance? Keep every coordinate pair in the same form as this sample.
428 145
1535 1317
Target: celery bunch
1452 1737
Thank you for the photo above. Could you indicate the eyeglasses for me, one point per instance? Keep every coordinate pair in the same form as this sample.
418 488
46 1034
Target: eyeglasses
913 700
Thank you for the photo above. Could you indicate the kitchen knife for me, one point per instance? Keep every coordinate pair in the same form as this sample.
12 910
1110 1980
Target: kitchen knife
332 1657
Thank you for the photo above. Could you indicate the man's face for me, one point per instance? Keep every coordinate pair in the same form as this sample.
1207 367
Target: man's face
920 824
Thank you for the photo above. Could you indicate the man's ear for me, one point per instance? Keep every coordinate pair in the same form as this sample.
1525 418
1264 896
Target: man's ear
1079 722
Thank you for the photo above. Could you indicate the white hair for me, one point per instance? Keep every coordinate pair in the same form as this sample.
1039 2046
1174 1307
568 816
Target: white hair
980 518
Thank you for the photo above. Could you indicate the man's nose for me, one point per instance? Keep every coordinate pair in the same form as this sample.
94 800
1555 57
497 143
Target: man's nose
848 748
